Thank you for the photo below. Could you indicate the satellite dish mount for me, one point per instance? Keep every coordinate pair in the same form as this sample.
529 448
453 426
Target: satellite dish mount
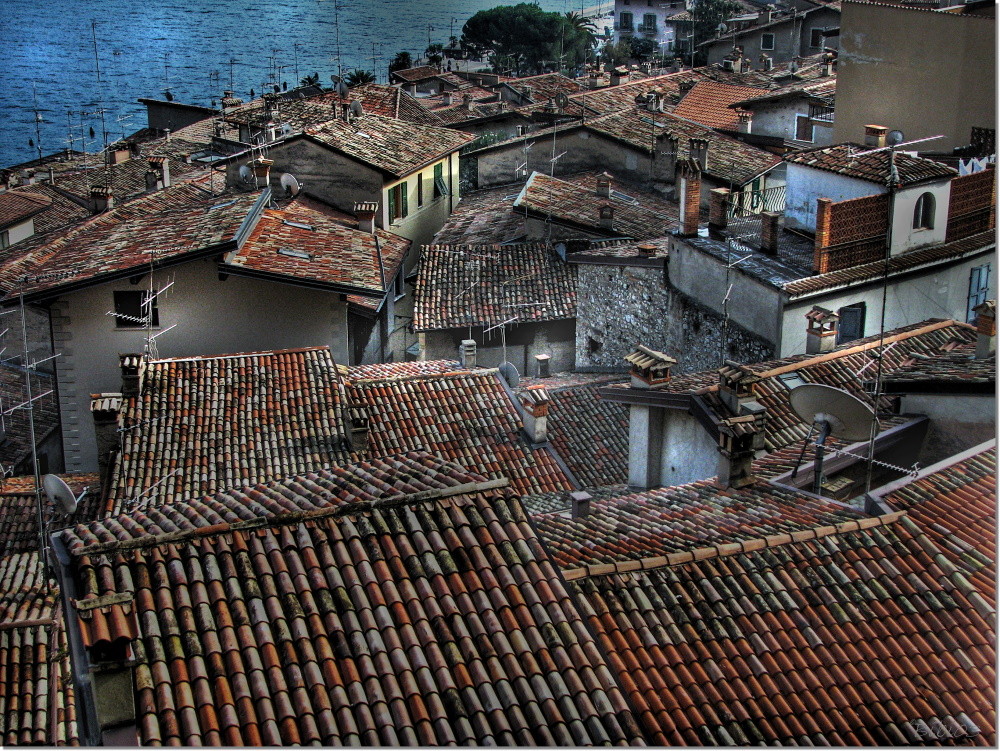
60 494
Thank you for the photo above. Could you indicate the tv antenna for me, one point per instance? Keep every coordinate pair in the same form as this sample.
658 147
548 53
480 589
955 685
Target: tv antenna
831 412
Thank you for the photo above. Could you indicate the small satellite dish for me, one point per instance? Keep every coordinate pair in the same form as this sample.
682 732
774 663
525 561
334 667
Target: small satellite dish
342 90
721 28
894 137
509 373
290 184
59 493
356 109
562 100
246 174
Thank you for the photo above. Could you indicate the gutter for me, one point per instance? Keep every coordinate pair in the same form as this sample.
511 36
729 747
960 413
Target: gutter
271 276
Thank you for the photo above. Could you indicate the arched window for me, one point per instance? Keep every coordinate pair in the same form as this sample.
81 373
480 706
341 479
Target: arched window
923 212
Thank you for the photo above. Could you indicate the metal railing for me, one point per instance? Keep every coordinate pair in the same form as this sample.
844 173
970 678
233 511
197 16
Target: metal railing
743 209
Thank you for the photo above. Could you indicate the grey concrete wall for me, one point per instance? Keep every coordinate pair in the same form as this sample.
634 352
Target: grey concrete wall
688 453
779 119
212 317
957 422
805 184
555 339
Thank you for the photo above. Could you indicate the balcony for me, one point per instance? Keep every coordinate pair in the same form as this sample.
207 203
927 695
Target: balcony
647 30
624 29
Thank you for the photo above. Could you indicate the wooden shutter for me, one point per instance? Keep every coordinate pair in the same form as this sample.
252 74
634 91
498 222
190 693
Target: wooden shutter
402 194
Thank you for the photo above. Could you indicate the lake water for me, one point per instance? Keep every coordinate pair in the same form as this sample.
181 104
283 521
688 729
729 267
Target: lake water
194 48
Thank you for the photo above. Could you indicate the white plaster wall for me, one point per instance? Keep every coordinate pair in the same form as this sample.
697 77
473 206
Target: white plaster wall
958 422
213 317
778 119
422 222
904 237
806 184
20 231
941 293
688 452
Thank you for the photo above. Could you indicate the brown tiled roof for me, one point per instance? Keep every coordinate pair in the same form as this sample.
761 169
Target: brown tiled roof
60 212
622 251
18 206
956 505
456 112
834 636
169 223
483 285
397 369
465 417
872 167
546 85
708 103
127 179
823 90
338 253
15 449
347 611
638 214
897 264
393 146
954 367
484 217
18 511
419 73
671 520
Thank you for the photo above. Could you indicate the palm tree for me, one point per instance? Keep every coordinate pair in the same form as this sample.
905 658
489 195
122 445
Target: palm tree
357 77
312 80
580 22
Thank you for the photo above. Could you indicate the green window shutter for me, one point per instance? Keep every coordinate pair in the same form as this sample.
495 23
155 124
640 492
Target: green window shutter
392 204
402 193
438 170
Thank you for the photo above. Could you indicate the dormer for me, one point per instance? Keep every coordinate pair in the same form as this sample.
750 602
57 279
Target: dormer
649 367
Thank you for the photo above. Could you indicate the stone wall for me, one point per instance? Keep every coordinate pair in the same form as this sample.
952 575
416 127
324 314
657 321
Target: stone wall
619 307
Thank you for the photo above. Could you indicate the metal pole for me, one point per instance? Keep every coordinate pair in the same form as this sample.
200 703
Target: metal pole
30 406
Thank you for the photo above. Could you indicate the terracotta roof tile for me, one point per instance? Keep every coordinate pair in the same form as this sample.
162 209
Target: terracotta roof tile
484 217
21 205
708 103
60 211
482 285
840 159
419 73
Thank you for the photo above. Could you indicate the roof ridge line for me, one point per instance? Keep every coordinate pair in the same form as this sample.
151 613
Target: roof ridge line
291 517
238 355
419 376
730 548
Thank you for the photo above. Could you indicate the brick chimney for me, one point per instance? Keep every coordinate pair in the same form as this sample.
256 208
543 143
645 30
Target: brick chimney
739 440
745 118
671 151
606 216
119 153
262 170
543 365
579 504
698 149
446 98
821 330
770 228
101 199
130 365
649 368
467 353
821 259
604 185
875 136
718 210
646 250
535 400
986 329
690 198
161 166
365 212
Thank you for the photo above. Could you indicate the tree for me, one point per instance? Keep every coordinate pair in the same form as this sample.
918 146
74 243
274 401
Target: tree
401 61
434 54
312 80
357 77
617 53
706 16
644 49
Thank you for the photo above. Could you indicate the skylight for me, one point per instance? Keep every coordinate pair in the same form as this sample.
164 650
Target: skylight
221 205
299 225
293 253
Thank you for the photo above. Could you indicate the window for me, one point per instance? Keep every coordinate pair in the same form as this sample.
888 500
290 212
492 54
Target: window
803 128
397 287
440 186
979 287
4 239
130 313
767 41
625 24
852 322
649 21
420 189
923 212
397 202
816 38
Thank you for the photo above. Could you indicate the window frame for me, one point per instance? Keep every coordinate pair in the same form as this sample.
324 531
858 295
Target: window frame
923 211
118 300
440 186
764 36
813 30
420 189
398 208
812 129
979 294
622 26
4 239
646 25
841 338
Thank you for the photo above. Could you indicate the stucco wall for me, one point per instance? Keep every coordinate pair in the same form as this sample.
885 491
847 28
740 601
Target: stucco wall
805 184
213 317
957 422
918 71
422 222
20 231
779 119
904 236
554 338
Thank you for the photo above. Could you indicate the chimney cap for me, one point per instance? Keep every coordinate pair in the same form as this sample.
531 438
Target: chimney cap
155 160
821 315
364 207
987 309
100 190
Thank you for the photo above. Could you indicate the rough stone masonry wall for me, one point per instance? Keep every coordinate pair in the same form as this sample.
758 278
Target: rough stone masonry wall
619 307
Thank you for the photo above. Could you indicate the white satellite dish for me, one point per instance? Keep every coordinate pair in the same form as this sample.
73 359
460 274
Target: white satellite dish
833 412
894 137
721 28
59 493
246 174
290 184
342 89
509 373
357 110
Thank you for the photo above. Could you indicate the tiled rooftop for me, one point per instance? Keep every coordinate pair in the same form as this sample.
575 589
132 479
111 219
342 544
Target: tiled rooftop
823 90
834 636
484 217
708 103
15 448
398 369
334 618
546 85
419 73
60 211
955 503
622 252
840 159
953 368
482 285
393 146
21 205
577 203
337 252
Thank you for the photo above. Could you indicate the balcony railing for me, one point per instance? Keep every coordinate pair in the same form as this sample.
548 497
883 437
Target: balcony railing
643 29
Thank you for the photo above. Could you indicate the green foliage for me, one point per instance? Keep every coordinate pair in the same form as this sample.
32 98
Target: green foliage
617 53
523 38
706 16
401 61
357 77
434 54
644 49
312 80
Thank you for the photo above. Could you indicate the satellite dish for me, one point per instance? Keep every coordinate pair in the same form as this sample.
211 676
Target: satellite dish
894 137
834 412
59 493
562 100
721 28
290 184
342 90
246 174
356 109
509 373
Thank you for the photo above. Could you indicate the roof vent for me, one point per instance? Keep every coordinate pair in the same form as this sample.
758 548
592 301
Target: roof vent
649 367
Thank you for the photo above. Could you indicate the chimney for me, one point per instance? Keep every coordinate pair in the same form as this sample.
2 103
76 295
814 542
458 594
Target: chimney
744 65
828 64
739 440
766 62
365 212
690 198
649 368
526 92
29 178
467 353
446 99
769 232
161 166
718 209
671 153
262 170
736 387
821 330
579 503
166 134
467 102
411 89
698 149
152 178
535 401
685 86
101 199
543 365
105 409
745 118
119 154
359 434
604 185
986 329
594 80
52 175
646 250
131 377
824 219
875 136
618 76
765 14
606 216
